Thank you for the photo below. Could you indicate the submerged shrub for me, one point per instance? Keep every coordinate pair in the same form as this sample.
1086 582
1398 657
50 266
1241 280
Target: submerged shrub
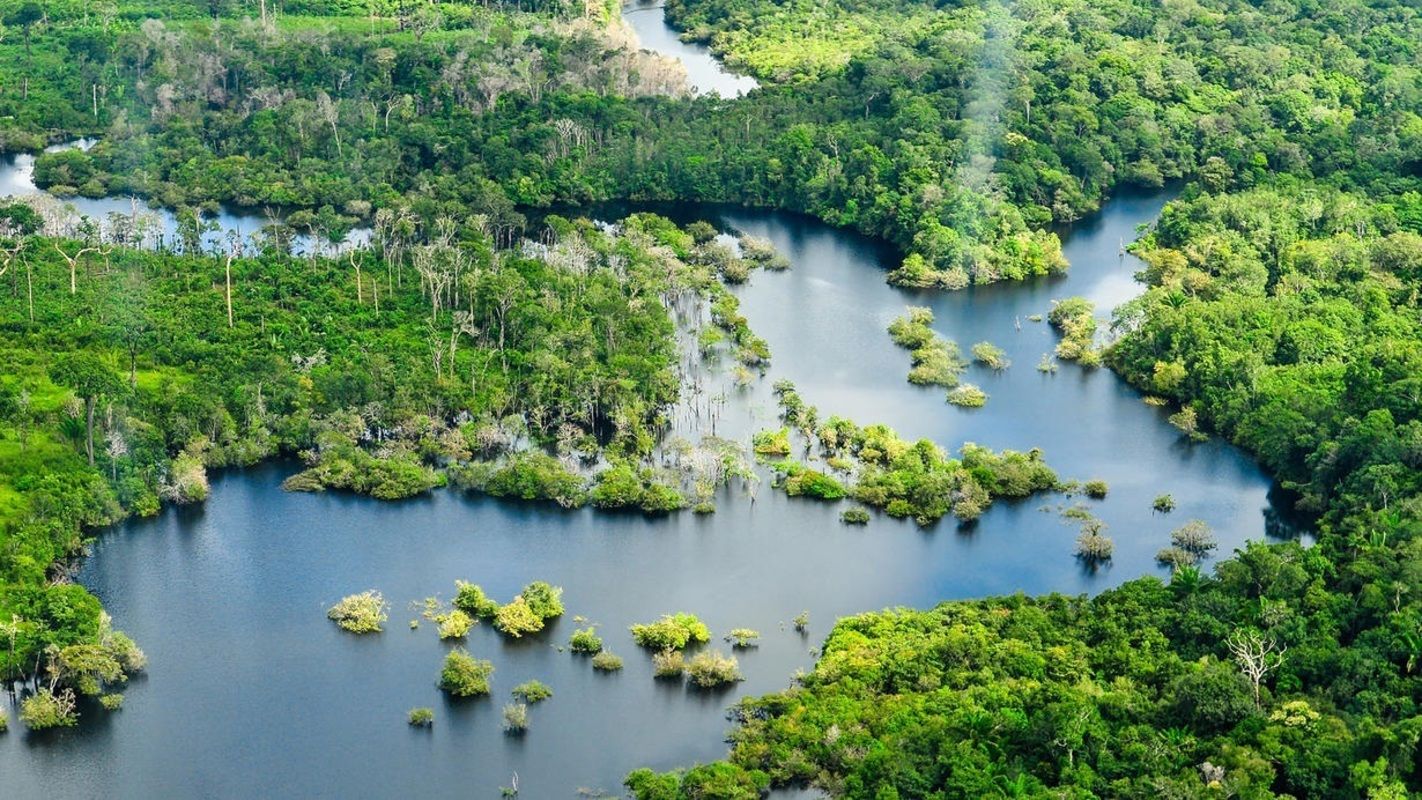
605 661
1163 503
1175 557
112 701
1195 537
360 613
48 709
668 664
470 599
741 638
854 516
712 669
515 718
465 676
990 355
1096 489
771 443
543 600
454 625
420 717
967 396
4 721
585 641
517 618
1092 546
802 621
532 692
671 632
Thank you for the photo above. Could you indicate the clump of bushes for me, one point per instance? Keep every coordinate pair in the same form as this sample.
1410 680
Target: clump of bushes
1096 489
4 721
1194 537
420 717
1047 364
1175 558
48 708
671 632
532 692
470 599
967 396
360 613
464 675
112 701
1075 318
585 641
625 486
515 718
936 360
990 355
802 621
529 475
1093 546
668 664
516 618
742 638
799 480
711 669
454 624
1163 503
855 516
771 443
530 610
605 661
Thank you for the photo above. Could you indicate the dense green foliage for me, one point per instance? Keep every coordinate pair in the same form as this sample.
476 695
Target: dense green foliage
465 676
671 632
380 396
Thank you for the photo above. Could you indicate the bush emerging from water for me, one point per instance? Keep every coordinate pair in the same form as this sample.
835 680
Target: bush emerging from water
855 516
1194 537
515 718
470 599
420 717
1075 317
711 669
585 641
516 618
668 664
671 632
1163 503
360 613
1092 546
4 721
112 701
990 355
802 481
936 360
543 600
742 638
605 661
771 443
1175 557
47 709
532 692
802 621
967 396
464 675
454 625
1096 489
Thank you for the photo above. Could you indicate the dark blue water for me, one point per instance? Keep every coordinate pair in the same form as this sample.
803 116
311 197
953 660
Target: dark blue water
252 692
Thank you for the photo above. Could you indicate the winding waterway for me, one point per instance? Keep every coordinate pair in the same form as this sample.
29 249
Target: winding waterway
251 692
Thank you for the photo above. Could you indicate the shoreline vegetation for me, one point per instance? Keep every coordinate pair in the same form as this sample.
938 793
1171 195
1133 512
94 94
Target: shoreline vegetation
515 398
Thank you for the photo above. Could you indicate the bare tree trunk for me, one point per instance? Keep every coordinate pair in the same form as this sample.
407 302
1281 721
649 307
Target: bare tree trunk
228 270
89 403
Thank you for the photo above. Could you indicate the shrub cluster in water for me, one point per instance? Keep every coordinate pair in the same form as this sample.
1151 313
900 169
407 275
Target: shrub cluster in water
1075 317
464 675
936 360
365 612
671 632
712 669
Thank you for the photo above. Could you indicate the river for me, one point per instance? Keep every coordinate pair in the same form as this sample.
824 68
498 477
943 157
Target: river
251 692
